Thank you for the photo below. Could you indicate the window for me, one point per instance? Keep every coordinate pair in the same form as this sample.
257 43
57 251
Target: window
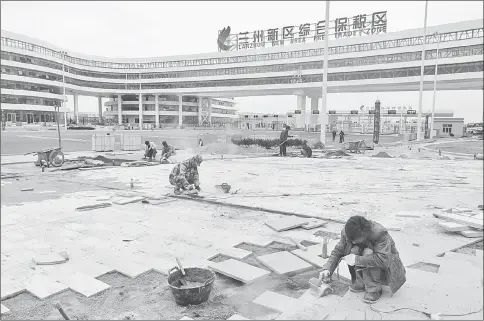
447 128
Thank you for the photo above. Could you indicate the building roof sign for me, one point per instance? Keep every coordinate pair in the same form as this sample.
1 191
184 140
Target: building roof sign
343 27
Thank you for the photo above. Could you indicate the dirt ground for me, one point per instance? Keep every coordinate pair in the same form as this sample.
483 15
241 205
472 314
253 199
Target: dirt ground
469 147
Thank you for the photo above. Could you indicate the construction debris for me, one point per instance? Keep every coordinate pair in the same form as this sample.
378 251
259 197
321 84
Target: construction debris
382 155
92 207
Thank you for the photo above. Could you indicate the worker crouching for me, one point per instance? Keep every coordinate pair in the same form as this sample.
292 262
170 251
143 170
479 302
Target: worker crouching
150 150
166 153
372 258
184 175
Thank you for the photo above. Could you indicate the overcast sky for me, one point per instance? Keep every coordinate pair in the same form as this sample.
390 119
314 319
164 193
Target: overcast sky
153 29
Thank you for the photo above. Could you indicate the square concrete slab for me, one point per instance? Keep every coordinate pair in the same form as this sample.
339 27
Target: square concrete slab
277 301
284 262
237 317
48 259
237 270
85 285
42 286
453 227
233 252
256 241
10 289
471 233
311 255
314 224
92 269
126 267
5 310
287 223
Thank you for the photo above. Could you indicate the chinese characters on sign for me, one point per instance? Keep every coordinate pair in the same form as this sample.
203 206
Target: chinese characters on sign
343 27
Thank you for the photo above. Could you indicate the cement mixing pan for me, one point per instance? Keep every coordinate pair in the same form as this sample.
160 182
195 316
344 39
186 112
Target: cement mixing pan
199 284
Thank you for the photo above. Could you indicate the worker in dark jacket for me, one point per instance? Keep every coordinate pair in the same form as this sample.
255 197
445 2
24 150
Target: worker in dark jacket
371 256
283 141
334 134
184 175
166 152
341 136
306 151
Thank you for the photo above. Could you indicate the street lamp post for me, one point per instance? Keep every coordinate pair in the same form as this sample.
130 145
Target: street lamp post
437 35
422 69
64 88
322 114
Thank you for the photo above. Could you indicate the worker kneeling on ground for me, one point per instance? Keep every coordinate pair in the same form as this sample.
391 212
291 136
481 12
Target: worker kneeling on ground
372 258
150 150
166 152
184 175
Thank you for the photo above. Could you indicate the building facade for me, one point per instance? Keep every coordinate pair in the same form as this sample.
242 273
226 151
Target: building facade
37 76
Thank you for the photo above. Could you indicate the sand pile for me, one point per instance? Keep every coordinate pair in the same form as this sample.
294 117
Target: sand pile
382 155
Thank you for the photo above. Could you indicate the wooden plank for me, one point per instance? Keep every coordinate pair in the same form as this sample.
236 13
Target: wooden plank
469 221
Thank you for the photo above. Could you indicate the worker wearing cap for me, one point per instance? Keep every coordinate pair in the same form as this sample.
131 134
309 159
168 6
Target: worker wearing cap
371 256
184 175
150 150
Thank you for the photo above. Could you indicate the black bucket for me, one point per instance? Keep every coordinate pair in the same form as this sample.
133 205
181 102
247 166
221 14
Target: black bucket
191 295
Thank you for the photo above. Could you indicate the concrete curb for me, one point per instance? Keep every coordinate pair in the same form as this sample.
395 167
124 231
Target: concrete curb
425 147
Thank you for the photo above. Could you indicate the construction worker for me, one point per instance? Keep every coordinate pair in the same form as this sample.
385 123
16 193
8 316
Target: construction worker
283 140
184 175
334 134
150 150
306 151
371 256
166 152
341 137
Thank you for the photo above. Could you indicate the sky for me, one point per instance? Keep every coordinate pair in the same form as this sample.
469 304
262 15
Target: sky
128 29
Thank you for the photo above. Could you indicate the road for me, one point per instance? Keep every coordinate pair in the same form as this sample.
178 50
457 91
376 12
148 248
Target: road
16 142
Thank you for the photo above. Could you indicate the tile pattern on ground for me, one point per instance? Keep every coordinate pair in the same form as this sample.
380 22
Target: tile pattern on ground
85 285
42 286
287 223
125 266
314 223
311 255
257 241
240 271
277 301
232 252
9 289
284 262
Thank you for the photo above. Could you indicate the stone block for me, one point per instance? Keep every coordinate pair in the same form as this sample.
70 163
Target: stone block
287 223
314 223
453 227
49 259
256 241
284 262
4 310
277 301
42 286
85 285
237 317
237 270
312 257
233 252
125 266
471 233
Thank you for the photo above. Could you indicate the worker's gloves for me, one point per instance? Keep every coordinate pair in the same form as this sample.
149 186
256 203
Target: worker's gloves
350 259
197 187
324 276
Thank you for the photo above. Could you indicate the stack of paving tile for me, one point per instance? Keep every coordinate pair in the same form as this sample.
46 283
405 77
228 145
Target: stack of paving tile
461 221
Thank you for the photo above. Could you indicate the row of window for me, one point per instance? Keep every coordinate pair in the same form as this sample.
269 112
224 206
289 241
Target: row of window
361 75
350 62
10 99
386 44
172 99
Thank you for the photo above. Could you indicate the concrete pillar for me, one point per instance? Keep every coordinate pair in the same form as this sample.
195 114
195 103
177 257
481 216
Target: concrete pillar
314 117
100 108
199 111
76 108
157 111
120 110
140 109
210 110
180 111
301 105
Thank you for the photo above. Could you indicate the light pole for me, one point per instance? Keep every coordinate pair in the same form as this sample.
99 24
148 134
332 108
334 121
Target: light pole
63 53
422 69
437 35
322 114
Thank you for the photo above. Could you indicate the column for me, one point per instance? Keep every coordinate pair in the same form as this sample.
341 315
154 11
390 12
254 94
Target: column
180 111
209 103
314 117
76 108
120 110
200 111
140 108
100 108
157 112
301 105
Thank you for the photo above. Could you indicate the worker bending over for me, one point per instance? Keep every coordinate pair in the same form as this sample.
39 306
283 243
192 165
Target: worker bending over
166 152
371 256
150 150
184 175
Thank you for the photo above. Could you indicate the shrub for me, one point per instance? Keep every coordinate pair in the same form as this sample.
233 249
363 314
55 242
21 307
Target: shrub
266 142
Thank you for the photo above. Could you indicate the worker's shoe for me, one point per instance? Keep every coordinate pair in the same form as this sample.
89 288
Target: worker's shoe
372 297
177 191
357 287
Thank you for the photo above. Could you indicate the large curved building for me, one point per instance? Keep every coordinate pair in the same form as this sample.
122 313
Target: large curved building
198 89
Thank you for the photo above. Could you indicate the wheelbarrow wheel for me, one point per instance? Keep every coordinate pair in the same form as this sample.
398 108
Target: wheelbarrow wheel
362 148
56 158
